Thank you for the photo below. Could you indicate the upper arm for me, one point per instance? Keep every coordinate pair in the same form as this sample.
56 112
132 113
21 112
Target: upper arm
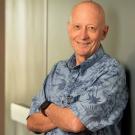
103 103
36 102
42 95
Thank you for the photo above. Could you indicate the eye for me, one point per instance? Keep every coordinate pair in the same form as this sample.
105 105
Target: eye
91 28
76 27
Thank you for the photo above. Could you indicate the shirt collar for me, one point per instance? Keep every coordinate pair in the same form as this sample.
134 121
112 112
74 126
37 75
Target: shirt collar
71 63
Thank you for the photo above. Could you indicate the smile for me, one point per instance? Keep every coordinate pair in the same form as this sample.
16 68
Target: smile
83 43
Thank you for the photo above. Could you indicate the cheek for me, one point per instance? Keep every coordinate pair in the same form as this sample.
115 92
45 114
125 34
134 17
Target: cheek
95 37
73 34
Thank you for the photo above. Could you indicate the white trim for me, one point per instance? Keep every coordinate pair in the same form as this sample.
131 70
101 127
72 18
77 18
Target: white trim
19 113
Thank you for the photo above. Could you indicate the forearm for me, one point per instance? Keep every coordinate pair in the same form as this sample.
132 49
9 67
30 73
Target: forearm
37 122
64 118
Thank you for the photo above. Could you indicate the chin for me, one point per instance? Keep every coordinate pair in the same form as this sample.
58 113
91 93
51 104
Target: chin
84 54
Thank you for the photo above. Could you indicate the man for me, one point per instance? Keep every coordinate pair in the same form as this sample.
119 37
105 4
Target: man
85 95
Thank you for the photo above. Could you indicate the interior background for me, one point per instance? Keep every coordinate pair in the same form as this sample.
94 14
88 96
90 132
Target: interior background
33 36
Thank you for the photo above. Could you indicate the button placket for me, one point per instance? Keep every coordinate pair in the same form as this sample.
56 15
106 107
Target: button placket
70 87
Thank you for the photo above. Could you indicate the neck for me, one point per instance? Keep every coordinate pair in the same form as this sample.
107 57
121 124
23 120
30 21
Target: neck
80 59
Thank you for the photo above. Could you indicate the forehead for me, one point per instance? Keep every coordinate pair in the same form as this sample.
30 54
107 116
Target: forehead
88 13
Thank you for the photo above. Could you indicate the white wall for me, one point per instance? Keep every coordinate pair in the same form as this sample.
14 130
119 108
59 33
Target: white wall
33 45
25 55
58 43
32 49
120 43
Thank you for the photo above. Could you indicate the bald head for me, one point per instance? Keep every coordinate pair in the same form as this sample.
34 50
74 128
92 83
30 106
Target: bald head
86 29
89 7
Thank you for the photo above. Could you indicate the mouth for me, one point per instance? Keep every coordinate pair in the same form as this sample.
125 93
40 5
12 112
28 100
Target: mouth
83 43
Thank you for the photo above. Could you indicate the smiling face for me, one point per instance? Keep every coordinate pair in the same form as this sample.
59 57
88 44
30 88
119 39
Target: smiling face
86 29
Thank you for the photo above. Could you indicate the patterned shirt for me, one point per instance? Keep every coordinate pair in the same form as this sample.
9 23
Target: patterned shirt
95 90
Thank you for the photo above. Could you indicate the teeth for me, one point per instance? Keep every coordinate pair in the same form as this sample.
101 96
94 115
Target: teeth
84 43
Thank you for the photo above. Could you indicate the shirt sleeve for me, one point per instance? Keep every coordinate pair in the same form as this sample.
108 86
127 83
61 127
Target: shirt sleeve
38 100
102 103
42 95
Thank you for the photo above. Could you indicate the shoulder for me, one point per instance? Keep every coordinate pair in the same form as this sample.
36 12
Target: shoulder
108 66
110 63
114 70
60 65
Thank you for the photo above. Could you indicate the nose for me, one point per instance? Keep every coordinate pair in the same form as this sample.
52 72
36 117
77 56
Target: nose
84 34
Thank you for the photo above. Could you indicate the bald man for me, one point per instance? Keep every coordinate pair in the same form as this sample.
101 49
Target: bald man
86 94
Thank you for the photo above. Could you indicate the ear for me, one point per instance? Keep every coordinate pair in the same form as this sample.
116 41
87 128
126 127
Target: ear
105 31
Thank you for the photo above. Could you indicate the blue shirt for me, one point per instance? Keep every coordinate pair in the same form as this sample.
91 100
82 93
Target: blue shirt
95 90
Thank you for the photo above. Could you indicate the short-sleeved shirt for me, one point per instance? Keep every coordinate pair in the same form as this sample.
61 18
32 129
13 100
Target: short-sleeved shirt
95 91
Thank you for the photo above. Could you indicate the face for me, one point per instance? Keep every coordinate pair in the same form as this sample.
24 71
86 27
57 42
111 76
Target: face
86 30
